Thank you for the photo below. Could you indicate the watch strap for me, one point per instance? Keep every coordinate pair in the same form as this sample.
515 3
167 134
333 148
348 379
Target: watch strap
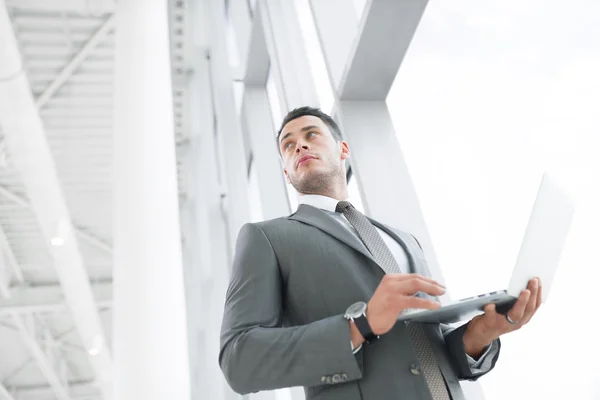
365 329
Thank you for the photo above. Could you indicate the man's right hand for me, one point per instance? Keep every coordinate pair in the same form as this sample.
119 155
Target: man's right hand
396 293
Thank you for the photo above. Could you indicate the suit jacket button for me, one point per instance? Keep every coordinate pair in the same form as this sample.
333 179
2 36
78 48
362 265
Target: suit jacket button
329 380
344 377
323 379
415 369
337 378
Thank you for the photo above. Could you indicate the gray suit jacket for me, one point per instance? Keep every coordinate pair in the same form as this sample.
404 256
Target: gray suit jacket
292 280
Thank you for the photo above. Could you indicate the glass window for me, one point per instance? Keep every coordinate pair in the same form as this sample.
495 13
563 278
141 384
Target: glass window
256 213
354 194
315 55
232 47
238 96
273 96
490 95
359 5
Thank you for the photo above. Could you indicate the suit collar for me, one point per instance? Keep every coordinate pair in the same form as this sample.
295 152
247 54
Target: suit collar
319 219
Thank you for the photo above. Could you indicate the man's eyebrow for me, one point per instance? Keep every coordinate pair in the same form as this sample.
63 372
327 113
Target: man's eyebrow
285 137
306 128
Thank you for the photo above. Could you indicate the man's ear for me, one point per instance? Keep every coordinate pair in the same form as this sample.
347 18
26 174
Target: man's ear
345 150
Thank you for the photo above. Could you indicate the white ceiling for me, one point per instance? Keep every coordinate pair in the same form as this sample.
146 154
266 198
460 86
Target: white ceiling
67 48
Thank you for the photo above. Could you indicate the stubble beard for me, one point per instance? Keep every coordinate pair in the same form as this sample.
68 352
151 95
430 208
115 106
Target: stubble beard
318 182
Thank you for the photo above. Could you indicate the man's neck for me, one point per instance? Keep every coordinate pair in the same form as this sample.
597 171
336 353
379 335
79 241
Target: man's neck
338 193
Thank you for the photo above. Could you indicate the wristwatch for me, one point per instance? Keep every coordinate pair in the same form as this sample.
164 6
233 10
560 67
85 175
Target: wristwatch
357 312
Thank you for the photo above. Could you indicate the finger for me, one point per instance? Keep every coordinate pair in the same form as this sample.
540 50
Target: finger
539 295
405 277
518 310
531 304
417 302
416 284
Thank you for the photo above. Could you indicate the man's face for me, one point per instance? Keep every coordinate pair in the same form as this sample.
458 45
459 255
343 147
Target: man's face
312 159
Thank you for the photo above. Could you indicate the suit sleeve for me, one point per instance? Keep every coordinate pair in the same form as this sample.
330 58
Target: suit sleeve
256 351
466 367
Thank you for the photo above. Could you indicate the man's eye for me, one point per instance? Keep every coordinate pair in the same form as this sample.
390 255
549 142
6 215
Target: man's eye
287 145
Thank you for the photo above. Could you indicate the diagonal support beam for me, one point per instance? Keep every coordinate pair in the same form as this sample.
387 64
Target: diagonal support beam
374 57
88 237
27 141
5 394
8 255
68 70
49 299
45 366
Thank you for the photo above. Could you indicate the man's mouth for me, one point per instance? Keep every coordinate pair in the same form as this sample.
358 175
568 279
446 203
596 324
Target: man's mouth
304 158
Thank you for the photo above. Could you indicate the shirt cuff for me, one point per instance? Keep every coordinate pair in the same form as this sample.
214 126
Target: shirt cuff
484 364
355 350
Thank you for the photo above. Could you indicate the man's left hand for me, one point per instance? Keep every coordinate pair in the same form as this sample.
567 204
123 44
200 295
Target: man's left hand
484 329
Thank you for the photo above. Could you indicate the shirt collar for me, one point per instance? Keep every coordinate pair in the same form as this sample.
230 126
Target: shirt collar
319 201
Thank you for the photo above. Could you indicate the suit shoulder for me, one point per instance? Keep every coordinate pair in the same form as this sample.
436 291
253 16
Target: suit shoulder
275 223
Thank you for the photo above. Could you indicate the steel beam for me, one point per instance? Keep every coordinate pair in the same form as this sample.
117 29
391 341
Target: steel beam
68 70
5 394
49 299
48 370
7 252
385 33
71 6
256 59
88 237
257 121
229 139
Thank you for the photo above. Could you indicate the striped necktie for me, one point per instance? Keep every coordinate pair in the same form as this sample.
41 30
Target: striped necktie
384 257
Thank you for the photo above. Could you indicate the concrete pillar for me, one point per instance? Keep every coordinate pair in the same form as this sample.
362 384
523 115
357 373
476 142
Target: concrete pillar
150 337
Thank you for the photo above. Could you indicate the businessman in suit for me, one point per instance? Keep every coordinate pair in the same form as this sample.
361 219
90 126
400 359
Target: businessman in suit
314 297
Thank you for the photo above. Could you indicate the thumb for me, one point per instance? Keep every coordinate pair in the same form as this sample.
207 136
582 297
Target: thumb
490 313
490 308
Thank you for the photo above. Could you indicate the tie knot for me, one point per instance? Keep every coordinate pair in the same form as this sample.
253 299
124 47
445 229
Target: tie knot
342 206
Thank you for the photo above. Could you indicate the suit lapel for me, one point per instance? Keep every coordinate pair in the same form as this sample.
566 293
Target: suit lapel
402 242
313 216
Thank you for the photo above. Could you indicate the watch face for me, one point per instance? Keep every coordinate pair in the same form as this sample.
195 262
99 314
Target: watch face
356 309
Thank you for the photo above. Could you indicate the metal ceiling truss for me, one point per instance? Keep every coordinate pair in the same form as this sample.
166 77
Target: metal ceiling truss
76 61
46 353
79 230
5 394
49 299
26 140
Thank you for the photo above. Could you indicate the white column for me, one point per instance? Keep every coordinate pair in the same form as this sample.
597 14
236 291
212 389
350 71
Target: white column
229 137
256 119
150 339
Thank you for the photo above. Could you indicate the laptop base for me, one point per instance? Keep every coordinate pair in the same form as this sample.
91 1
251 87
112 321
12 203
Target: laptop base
461 310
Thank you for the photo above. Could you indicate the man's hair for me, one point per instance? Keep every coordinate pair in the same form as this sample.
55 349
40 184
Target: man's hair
315 112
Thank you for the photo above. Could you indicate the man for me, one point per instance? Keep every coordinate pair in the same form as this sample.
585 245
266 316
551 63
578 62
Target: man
314 297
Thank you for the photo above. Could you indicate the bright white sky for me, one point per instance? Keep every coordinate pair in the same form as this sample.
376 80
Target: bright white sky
489 95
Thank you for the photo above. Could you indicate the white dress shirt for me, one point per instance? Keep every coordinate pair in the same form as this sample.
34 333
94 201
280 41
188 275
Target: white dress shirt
328 205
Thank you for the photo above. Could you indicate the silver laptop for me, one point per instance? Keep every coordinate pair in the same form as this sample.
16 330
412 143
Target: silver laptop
539 256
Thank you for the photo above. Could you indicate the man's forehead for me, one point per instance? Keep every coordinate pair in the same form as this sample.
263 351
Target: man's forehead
297 124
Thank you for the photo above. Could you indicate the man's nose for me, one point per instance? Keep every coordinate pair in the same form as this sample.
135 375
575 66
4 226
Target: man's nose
301 146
